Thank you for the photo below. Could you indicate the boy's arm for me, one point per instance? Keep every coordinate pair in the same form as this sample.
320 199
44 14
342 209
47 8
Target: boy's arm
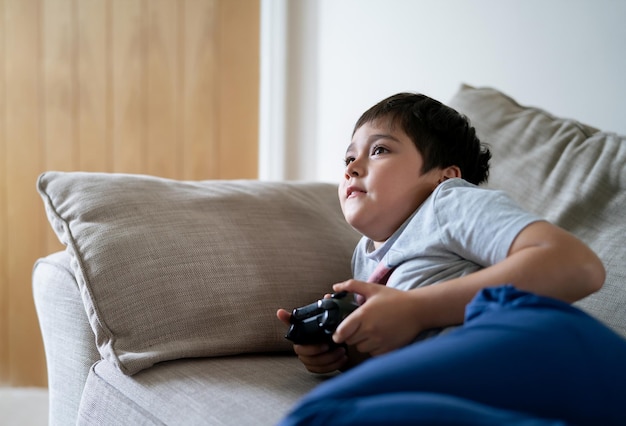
543 259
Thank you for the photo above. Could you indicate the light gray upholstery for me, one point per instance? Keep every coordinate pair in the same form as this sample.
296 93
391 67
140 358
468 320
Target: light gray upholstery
235 390
69 342
159 270
170 269
247 389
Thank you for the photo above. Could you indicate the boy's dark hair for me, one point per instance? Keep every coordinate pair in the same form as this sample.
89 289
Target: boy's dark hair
442 135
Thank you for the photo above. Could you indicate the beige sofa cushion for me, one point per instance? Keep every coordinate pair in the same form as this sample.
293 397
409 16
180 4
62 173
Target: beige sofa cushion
171 269
565 171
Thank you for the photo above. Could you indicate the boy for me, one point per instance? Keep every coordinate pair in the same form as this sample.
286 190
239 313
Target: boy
405 150
409 188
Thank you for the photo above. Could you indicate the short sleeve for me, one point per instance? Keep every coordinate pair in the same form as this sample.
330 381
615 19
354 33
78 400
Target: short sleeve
478 224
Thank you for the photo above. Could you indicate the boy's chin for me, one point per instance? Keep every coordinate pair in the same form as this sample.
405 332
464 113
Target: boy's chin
355 225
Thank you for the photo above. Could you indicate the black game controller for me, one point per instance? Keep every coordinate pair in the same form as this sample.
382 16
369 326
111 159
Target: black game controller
315 323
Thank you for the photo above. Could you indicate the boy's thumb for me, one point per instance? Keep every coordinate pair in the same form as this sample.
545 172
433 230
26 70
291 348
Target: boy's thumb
284 316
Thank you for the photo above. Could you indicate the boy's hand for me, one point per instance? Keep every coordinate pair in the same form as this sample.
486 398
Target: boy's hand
319 359
388 318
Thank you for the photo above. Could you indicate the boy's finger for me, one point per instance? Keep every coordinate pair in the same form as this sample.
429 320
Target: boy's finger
354 286
284 316
311 350
346 329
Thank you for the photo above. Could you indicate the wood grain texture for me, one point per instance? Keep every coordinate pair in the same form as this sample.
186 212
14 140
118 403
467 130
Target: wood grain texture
161 87
238 85
25 236
199 103
93 62
4 213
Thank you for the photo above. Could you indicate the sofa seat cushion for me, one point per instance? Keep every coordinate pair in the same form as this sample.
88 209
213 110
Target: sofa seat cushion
236 390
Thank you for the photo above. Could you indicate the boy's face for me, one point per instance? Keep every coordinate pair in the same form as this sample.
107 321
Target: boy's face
383 182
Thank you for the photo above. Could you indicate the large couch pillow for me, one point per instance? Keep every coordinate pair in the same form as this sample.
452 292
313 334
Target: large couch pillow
566 171
172 269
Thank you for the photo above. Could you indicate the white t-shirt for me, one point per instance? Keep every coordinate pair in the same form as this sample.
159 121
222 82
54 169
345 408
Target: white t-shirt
459 229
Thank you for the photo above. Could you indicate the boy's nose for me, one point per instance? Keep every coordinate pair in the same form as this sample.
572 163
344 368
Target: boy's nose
353 169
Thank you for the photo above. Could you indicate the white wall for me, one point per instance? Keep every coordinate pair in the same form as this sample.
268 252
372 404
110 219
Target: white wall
342 56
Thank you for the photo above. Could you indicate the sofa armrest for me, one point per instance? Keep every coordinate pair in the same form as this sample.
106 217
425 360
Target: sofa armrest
68 339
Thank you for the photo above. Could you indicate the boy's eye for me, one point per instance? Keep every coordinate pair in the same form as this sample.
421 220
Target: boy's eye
379 150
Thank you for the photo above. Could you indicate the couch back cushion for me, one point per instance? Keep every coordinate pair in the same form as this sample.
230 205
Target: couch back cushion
172 269
568 172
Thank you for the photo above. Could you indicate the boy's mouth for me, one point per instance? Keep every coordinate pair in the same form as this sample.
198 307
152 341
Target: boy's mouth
353 191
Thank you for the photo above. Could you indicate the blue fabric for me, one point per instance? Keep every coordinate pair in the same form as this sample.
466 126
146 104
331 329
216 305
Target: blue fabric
519 359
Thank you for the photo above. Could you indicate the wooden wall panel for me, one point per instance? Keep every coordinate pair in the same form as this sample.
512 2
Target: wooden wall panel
237 90
199 113
162 69
128 86
58 84
4 213
93 81
161 87
25 236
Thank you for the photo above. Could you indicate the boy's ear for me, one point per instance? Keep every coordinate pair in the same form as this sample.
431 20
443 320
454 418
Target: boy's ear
449 173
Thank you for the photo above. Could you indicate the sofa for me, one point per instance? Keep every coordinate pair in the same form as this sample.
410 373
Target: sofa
161 309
